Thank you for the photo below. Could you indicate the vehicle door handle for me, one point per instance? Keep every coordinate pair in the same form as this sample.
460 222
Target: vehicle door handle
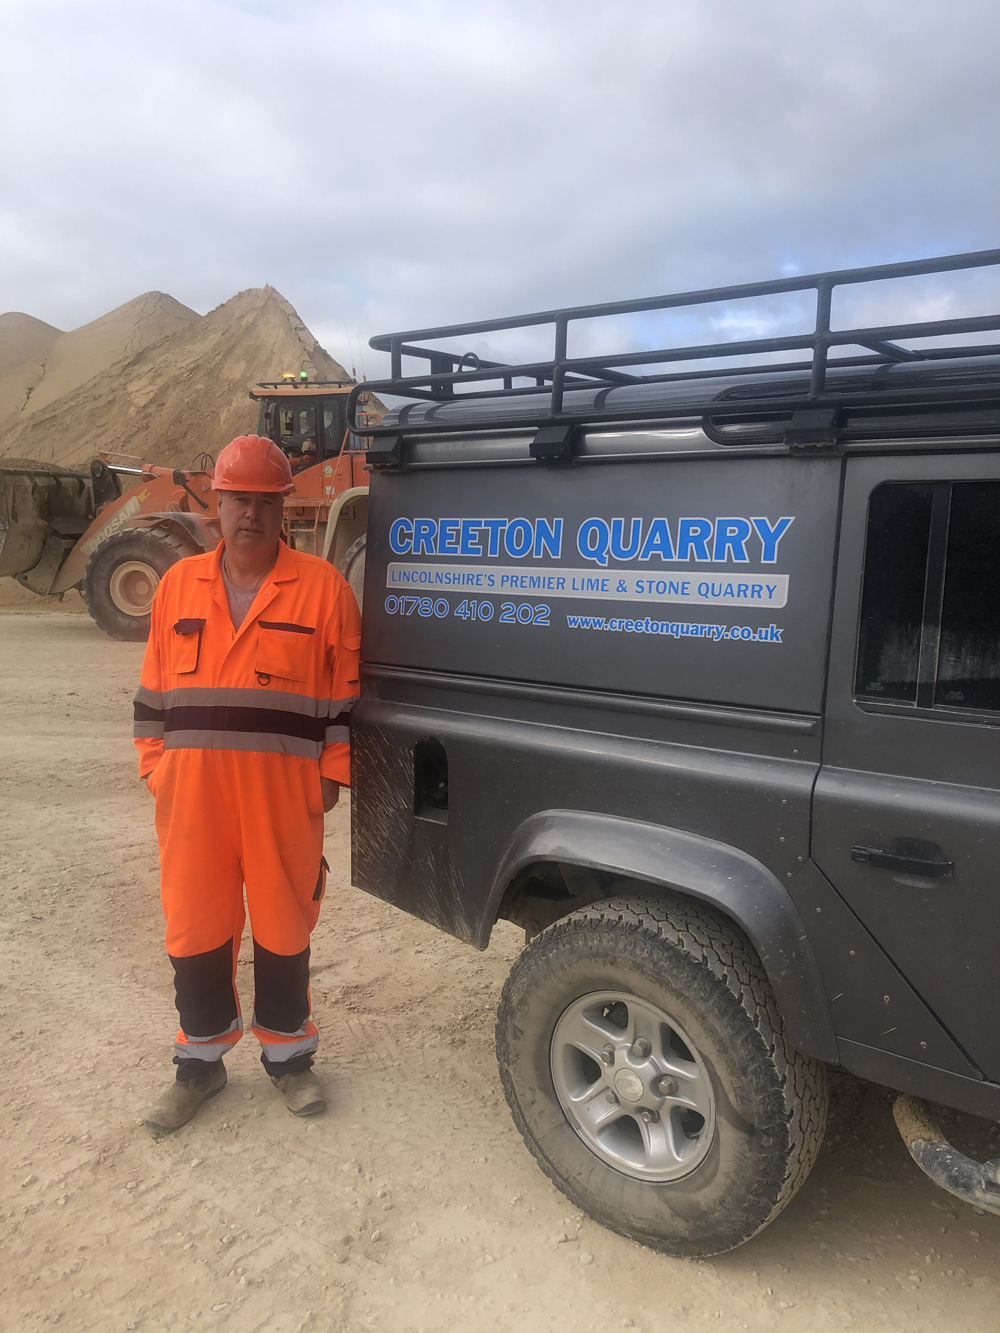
909 856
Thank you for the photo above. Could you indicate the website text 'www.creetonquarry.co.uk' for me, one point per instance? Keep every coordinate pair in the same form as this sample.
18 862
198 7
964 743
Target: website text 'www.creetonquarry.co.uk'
679 629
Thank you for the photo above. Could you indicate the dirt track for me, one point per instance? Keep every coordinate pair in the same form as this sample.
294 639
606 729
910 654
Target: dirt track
412 1204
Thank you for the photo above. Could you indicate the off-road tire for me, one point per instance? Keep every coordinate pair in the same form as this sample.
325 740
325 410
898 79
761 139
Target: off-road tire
156 548
770 1101
353 567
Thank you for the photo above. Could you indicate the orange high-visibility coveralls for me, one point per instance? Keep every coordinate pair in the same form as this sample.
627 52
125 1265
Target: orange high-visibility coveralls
234 729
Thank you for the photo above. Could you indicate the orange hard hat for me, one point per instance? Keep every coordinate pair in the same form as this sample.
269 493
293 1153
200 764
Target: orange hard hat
253 463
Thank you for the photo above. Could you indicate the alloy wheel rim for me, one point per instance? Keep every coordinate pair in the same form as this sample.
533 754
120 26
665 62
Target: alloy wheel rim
132 586
633 1086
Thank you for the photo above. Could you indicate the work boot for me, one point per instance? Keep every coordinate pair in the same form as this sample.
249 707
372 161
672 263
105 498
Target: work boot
303 1092
180 1100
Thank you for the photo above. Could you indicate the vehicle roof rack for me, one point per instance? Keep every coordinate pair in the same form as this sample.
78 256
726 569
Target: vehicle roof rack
550 381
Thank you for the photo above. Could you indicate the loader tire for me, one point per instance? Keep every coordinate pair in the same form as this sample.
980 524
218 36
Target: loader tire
353 568
122 575
645 1063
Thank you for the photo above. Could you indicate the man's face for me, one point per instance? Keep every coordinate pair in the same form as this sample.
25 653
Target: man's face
250 520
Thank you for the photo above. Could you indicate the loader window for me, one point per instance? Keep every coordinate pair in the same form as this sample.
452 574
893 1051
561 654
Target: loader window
297 430
930 614
333 425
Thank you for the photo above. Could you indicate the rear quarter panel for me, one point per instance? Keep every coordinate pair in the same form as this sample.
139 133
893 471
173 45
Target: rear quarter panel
728 768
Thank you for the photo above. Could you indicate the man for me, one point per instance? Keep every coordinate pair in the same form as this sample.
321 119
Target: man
241 728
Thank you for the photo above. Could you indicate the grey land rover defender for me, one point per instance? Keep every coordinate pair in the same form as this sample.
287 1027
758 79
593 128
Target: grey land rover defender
695 675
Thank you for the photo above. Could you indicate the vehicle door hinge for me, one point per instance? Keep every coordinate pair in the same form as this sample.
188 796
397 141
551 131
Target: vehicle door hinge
814 431
553 444
384 451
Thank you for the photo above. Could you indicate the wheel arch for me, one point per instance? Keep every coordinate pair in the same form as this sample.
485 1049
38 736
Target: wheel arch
586 848
192 530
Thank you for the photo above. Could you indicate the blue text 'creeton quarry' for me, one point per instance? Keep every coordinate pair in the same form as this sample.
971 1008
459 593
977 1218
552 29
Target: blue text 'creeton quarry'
738 541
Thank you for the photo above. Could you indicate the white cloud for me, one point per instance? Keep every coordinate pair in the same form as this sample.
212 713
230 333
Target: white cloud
393 165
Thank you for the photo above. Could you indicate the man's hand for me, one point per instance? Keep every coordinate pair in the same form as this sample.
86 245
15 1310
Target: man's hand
331 793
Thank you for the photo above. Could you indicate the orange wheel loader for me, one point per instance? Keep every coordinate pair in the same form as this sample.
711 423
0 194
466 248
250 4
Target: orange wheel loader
113 532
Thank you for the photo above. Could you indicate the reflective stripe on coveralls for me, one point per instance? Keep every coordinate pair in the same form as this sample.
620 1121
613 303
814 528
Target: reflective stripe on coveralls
195 718
234 729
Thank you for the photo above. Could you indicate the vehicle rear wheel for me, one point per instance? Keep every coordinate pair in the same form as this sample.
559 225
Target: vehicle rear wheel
353 567
644 1061
123 574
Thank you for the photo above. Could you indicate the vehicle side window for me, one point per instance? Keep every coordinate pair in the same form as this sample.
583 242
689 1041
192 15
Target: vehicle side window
929 634
968 673
893 598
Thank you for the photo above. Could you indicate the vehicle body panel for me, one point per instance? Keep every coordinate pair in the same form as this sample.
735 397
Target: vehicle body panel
786 674
627 726
608 726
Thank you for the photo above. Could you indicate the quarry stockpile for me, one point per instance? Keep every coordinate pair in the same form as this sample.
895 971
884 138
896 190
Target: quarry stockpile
151 378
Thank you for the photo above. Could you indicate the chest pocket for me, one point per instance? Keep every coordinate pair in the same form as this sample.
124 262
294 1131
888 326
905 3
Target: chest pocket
185 646
284 649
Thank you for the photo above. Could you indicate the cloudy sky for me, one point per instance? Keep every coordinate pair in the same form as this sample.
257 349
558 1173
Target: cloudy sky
390 164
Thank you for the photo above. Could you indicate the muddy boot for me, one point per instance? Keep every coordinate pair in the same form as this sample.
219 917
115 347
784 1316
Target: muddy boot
179 1102
303 1092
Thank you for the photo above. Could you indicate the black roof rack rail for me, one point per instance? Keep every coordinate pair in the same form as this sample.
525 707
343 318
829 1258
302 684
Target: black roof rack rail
609 371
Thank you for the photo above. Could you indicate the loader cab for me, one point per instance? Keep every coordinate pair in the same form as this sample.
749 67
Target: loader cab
308 421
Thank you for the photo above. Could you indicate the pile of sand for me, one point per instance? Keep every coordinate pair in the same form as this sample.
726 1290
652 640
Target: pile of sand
151 378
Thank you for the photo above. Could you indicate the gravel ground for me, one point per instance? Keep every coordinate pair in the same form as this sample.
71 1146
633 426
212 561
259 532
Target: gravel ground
412 1205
